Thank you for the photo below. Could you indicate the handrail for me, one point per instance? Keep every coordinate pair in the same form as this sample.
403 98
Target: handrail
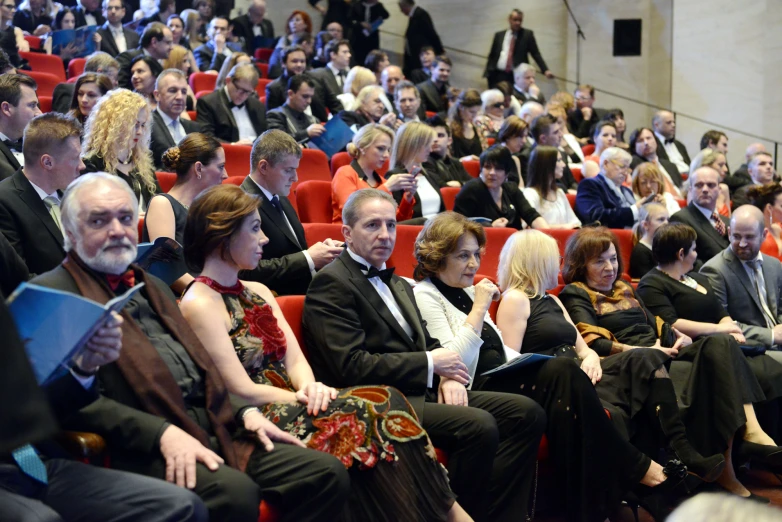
620 96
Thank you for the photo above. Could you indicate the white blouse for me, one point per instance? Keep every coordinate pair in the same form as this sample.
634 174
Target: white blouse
670 203
429 197
558 212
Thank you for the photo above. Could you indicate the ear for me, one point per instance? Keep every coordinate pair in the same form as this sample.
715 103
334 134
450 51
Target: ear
156 93
5 108
346 233
46 162
290 93
680 255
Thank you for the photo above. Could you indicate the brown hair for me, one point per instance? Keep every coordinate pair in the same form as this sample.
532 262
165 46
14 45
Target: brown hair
585 245
671 238
214 216
565 99
647 170
46 134
468 98
104 86
762 195
512 127
438 240
192 148
540 170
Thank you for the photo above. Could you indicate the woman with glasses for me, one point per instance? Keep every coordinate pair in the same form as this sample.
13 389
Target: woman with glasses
490 122
647 180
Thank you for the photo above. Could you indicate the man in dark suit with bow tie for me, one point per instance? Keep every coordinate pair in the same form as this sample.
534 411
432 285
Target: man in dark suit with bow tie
362 326
511 48
668 147
288 264
18 105
167 126
253 27
30 199
234 114
116 38
333 75
88 12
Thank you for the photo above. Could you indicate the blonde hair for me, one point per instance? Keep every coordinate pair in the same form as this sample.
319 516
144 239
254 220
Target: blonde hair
364 94
190 19
411 138
647 211
529 262
110 128
565 99
358 78
366 136
227 66
176 58
647 170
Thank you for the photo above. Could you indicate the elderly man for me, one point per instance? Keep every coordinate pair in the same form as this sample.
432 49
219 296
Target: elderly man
700 214
18 105
668 147
253 27
164 409
156 42
389 79
370 109
291 117
407 103
524 87
168 128
760 168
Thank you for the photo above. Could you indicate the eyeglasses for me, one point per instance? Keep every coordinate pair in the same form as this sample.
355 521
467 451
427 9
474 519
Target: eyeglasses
620 165
498 105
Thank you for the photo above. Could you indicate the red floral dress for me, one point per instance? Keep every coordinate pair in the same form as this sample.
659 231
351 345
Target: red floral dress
363 426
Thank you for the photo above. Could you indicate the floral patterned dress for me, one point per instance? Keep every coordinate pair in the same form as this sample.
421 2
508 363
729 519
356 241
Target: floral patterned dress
372 430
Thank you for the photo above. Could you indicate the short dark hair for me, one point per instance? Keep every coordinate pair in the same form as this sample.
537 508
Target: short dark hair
11 87
152 31
425 49
499 157
5 62
585 245
290 50
711 136
374 59
438 121
541 126
671 238
163 5
154 65
512 127
295 82
441 59
333 47
598 127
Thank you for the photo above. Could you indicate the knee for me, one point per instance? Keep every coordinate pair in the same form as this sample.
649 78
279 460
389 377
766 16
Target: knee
481 430
333 479
186 506
235 497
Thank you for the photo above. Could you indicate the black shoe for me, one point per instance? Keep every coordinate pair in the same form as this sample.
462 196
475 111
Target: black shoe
660 500
770 456
757 498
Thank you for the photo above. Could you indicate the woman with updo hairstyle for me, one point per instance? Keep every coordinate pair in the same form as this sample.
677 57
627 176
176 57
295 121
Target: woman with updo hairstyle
768 198
116 140
86 93
546 167
468 142
370 150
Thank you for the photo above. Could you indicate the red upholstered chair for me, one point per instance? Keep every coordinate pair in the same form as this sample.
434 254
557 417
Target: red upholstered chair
263 55
48 63
166 180
473 167
46 81
262 99
402 257
317 232
237 159
234 180
261 87
34 41
140 228
625 237
682 202
72 79
490 141
45 103
203 82
561 236
495 240
76 67
571 198
314 165
588 150
193 115
313 199
577 173
340 159
263 69
449 196
292 307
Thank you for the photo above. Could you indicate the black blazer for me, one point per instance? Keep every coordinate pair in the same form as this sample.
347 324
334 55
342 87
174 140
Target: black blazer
217 120
669 167
327 78
354 118
206 58
360 43
26 223
420 33
475 200
526 45
8 163
62 96
109 45
79 12
24 20
336 11
284 269
399 194
353 339
663 154
709 242
580 127
431 100
277 93
96 164
243 28
161 139
124 59
13 271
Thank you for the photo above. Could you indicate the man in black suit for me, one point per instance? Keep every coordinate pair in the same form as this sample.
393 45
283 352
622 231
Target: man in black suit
233 114
362 326
760 169
701 214
98 62
88 12
333 75
389 79
36 22
164 410
511 48
18 105
524 87
165 8
156 42
643 147
448 170
288 264
210 55
13 271
290 118
168 129
115 37
30 199
420 75
294 61
419 34
407 103
584 116
741 177
35 489
253 27
434 91
668 147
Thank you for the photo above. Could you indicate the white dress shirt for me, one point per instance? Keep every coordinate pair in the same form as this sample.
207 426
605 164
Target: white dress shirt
175 129
335 72
243 121
388 298
90 19
674 156
17 154
428 196
502 61
119 37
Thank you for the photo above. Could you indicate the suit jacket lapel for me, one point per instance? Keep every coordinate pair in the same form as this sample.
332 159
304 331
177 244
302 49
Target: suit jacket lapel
166 132
224 99
268 211
110 43
771 290
294 221
397 287
738 269
28 194
9 156
706 225
611 194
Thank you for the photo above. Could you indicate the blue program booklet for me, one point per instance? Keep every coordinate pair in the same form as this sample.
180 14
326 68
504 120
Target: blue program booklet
82 39
264 42
164 259
55 325
518 361
336 137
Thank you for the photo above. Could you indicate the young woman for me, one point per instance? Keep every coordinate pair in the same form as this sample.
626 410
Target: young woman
513 135
86 93
650 217
468 142
193 25
604 137
375 61
177 26
144 71
545 168
617 116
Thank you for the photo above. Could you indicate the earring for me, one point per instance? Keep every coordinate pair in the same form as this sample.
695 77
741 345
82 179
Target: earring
198 176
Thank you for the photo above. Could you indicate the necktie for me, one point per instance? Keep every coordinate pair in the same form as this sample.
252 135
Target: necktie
30 463
128 279
175 131
277 205
341 78
384 275
14 145
53 204
511 47
719 225
756 266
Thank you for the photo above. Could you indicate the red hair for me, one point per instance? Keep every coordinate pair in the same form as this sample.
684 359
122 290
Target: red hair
304 16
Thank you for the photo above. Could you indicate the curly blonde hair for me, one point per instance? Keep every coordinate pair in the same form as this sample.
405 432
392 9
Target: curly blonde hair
110 128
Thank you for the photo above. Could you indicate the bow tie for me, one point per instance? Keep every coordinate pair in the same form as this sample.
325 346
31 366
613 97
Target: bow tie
128 279
231 105
668 142
384 275
14 145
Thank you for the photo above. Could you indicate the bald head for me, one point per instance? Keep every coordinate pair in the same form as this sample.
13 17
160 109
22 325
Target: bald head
257 11
664 123
747 232
390 77
748 214
753 149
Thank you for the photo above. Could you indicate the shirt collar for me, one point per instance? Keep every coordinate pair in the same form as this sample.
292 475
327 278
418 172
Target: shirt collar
661 138
610 183
266 193
412 11
41 193
333 69
360 260
166 118
705 211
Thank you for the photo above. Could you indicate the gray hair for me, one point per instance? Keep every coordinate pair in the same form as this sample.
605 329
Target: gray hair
364 94
169 72
521 69
614 153
531 110
352 208
100 61
488 96
406 84
71 206
273 146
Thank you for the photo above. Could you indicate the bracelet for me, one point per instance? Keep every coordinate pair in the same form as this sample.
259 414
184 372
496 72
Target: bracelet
249 410
471 327
81 373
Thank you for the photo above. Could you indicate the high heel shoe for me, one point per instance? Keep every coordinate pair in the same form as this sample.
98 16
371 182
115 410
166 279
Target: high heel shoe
660 500
769 456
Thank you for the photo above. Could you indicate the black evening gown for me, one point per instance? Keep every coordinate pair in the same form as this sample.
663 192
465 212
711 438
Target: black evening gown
462 147
180 220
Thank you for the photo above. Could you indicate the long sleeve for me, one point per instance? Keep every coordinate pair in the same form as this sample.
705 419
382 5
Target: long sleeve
535 52
467 202
524 210
591 207
583 314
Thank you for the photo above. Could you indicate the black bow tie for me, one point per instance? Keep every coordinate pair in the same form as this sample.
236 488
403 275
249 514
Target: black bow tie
668 142
14 145
384 275
231 105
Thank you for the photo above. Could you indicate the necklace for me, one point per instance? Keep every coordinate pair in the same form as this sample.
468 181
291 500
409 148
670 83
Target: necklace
128 160
684 279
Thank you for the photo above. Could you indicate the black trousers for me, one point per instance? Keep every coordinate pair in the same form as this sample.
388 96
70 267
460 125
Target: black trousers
78 492
304 484
496 77
492 448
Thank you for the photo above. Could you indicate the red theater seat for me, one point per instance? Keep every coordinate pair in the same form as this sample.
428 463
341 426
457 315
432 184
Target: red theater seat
318 232
234 180
237 159
200 81
313 199
449 196
46 81
76 67
473 167
47 63
261 87
166 180
495 240
402 258
314 165
45 103
263 55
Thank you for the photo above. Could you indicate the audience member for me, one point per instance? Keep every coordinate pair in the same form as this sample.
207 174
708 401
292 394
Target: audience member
446 170
177 26
426 57
181 58
88 12
230 63
365 38
741 177
9 44
320 59
668 147
604 137
569 146
206 9
165 8
529 111
493 109
276 61
35 17
288 264
716 160
253 27
420 33
358 78
194 426
88 89
490 196
211 55
65 19
334 74
389 79
651 217
467 139
30 198
168 125
298 22
13 270
524 87
193 25
368 108
546 166
434 91
143 75
509 49
116 140
768 198
361 329
513 135
376 61
643 147
234 114
407 103
584 116
156 42
115 38
546 130
715 140
760 168
291 117
647 180
18 105
617 116
98 62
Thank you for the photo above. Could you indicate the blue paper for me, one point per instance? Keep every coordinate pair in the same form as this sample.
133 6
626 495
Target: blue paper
336 137
82 38
164 259
376 25
524 359
55 325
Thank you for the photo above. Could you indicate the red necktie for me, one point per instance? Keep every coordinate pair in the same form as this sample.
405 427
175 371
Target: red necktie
511 48
718 223
128 278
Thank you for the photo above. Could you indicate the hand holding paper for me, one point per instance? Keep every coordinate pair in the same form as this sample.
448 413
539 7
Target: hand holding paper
103 347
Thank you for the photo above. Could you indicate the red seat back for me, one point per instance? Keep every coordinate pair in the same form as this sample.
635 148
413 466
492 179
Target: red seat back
314 165
571 198
34 41
588 150
46 63
318 232
76 67
263 55
45 103
261 87
46 81
292 307
199 94
340 159
203 82
561 236
263 69
193 115
577 173
140 227
402 257
625 238
449 196
234 180
495 240
429 114
313 199
237 159
473 167
166 180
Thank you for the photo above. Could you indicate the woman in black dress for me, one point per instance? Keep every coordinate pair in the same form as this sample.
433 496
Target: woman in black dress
491 197
513 134
467 139
651 217
714 385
